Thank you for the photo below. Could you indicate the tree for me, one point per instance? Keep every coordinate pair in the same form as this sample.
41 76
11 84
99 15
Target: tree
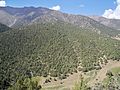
109 73
25 84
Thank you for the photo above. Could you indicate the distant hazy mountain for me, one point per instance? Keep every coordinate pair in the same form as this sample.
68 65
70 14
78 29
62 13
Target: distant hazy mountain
20 16
16 17
114 23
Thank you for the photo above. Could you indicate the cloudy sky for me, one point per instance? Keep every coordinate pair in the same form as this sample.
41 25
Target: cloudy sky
2 3
106 8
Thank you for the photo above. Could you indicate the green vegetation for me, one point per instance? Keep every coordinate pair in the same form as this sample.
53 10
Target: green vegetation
26 84
115 70
111 82
53 49
82 85
3 28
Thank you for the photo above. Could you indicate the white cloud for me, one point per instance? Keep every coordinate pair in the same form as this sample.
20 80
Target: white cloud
118 1
2 3
113 14
57 8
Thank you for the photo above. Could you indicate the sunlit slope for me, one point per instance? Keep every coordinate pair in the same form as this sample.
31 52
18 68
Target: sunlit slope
53 49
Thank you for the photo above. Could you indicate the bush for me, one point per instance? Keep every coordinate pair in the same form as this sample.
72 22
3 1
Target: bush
25 84
109 73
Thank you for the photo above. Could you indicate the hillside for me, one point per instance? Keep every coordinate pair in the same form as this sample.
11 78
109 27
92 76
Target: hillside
113 23
4 28
17 17
6 18
53 49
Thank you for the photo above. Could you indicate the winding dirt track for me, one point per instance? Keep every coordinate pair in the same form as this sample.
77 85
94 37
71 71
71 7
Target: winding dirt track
101 75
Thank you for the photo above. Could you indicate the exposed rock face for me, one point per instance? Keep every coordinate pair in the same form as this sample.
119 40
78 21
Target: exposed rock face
21 16
17 17
113 23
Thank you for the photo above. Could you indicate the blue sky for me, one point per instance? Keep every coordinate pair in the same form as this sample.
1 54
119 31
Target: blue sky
84 7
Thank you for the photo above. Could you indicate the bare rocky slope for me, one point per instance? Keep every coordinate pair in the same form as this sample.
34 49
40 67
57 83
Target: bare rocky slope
17 17
113 23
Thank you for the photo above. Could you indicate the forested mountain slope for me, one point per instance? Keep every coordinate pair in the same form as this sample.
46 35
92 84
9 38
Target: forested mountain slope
53 49
4 28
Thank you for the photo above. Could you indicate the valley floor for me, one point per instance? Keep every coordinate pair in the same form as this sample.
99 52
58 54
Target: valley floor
101 74
68 84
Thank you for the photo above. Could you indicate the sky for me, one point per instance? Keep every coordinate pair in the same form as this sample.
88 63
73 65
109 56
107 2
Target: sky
106 8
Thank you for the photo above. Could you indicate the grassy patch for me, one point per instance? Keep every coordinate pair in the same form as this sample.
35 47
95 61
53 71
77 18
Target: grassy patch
115 70
106 81
36 79
91 75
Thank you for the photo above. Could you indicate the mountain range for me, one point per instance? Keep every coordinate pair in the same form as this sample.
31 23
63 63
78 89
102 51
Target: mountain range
16 17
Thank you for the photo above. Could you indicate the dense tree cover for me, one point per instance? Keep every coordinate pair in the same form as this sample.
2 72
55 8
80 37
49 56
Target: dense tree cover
25 84
52 49
4 28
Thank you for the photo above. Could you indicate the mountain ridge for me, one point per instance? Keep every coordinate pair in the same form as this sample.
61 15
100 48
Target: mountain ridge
29 15
113 23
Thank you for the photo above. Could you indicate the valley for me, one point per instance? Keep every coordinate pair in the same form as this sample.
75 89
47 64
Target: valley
43 49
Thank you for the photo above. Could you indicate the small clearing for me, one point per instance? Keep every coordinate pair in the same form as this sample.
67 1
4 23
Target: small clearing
67 83
117 38
101 75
